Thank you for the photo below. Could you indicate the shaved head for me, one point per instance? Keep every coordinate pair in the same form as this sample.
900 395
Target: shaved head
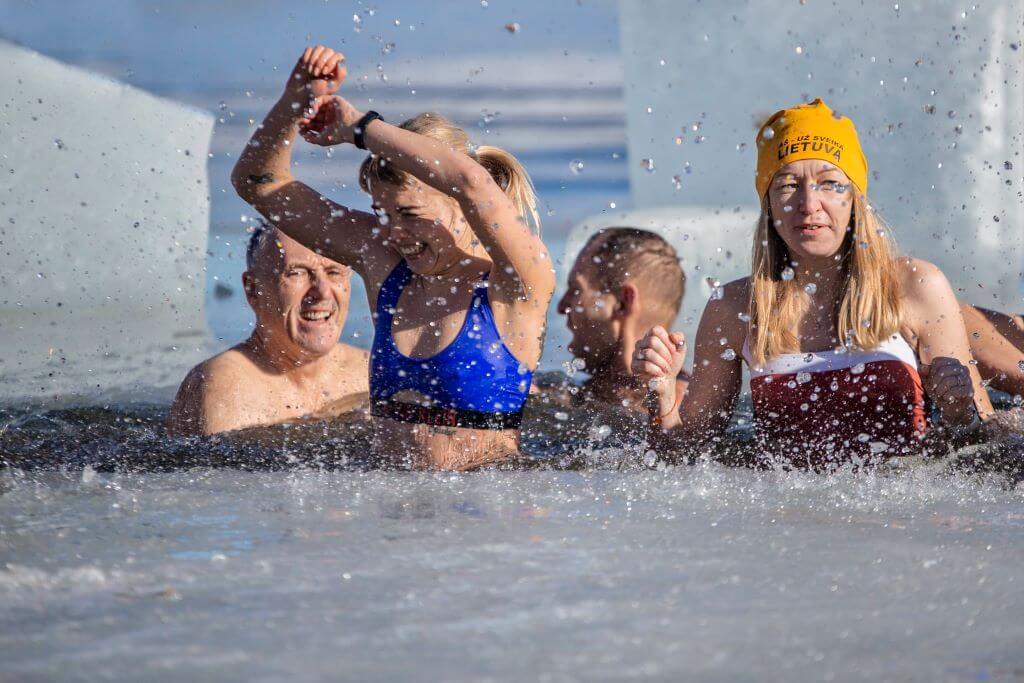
616 256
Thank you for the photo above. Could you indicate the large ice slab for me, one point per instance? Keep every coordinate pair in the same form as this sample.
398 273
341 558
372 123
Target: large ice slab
105 215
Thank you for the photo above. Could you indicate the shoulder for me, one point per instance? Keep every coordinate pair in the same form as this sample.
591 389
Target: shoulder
224 370
213 383
351 362
919 276
349 356
733 301
926 295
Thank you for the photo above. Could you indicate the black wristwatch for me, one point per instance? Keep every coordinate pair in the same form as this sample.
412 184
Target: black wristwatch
360 128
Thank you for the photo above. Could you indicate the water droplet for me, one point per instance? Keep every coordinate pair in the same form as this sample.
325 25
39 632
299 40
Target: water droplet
803 377
788 274
717 291
561 416
768 133
811 288
865 323
512 27
728 354
600 432
1008 165
804 407
677 182
647 165
799 50
58 143
575 166
857 369
743 317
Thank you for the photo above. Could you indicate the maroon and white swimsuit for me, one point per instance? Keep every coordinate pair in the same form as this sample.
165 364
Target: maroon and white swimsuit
826 407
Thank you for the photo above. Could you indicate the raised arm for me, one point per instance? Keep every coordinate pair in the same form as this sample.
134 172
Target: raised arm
522 268
263 178
704 413
950 377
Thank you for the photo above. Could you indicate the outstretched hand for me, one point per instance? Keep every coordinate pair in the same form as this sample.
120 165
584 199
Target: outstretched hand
320 71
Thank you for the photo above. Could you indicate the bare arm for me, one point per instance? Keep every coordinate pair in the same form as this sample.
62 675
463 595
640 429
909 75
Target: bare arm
707 406
997 343
263 178
933 314
522 268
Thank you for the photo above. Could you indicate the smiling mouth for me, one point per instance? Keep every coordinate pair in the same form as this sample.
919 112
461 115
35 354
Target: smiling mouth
412 249
810 228
315 316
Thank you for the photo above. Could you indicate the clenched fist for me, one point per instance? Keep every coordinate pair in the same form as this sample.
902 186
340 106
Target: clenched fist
320 71
657 361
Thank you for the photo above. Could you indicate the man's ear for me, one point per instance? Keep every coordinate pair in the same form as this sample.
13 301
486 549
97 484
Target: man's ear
629 301
250 287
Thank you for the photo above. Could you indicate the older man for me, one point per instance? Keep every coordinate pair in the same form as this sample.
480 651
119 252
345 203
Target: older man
624 281
292 366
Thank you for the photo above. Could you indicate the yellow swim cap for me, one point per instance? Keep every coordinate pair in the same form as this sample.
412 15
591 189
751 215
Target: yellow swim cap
809 131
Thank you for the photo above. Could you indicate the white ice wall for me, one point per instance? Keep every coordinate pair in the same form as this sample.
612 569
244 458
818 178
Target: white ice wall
935 89
104 215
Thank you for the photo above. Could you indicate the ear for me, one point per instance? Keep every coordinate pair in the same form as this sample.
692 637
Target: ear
629 301
250 287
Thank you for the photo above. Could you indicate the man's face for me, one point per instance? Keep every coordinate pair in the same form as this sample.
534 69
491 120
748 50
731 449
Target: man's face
298 295
589 314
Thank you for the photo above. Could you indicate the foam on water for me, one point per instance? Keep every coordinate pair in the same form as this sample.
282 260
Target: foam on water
320 569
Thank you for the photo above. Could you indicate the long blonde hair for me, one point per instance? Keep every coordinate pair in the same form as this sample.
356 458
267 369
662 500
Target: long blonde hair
504 168
868 309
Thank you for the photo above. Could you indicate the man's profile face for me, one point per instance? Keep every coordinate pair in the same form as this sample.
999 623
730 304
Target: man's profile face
298 295
589 314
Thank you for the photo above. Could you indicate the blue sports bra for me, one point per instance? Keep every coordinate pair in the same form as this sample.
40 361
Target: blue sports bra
473 382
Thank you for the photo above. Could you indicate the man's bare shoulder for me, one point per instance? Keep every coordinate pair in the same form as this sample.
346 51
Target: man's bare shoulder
352 355
224 370
205 401
352 362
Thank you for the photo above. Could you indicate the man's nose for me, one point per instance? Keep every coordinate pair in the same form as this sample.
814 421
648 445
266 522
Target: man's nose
563 304
319 289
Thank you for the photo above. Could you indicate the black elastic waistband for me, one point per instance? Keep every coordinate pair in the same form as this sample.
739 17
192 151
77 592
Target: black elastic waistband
445 417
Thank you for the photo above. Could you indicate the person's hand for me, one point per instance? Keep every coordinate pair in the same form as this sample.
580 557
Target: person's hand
320 71
657 360
948 383
330 121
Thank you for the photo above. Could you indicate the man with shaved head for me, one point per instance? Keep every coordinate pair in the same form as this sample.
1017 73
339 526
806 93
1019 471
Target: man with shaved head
624 282
292 366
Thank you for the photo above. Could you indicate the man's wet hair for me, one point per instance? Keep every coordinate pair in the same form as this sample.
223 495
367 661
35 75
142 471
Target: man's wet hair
622 254
260 234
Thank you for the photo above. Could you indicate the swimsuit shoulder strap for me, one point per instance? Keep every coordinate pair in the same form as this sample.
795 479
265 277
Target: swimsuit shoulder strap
390 290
